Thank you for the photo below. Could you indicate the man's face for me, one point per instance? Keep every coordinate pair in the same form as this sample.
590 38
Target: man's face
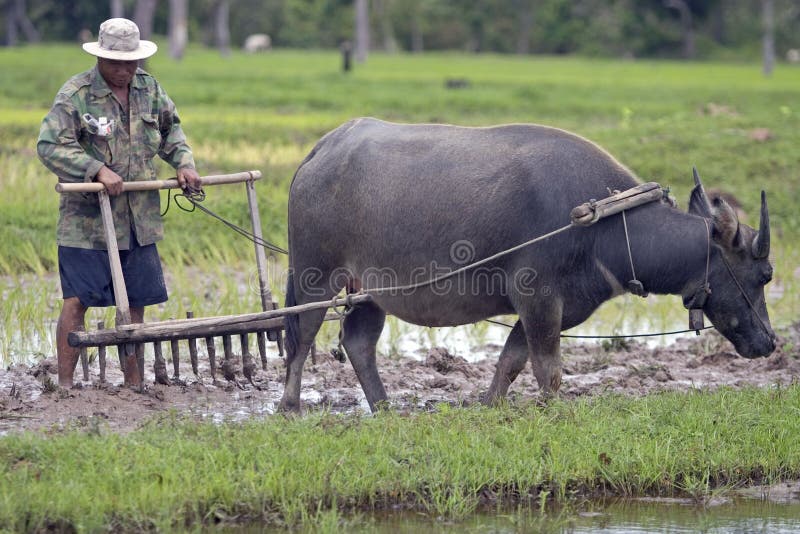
117 74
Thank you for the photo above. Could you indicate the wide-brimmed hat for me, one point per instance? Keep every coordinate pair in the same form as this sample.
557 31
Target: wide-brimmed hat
119 39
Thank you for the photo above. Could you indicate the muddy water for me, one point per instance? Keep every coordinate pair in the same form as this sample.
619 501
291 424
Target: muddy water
624 517
620 517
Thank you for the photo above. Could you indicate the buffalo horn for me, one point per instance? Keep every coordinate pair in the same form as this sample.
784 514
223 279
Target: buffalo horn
699 202
761 241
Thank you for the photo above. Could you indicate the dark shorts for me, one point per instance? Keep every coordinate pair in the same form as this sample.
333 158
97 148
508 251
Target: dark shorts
86 274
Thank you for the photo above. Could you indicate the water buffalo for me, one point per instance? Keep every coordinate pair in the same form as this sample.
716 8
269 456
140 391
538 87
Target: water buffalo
378 204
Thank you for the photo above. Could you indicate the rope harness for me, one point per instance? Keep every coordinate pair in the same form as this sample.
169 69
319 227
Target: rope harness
195 197
746 298
635 286
584 215
339 353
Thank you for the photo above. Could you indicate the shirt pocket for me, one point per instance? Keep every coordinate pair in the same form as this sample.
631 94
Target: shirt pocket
97 146
151 135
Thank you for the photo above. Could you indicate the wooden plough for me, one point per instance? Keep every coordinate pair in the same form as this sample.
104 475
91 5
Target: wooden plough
129 338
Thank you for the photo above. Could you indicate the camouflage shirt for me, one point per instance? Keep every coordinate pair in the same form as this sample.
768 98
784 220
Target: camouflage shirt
74 148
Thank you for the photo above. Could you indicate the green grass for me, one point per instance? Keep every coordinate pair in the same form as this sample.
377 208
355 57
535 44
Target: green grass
176 472
266 111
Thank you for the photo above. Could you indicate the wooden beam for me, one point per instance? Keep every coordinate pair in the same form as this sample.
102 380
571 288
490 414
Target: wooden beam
149 185
113 336
120 292
261 257
127 352
230 320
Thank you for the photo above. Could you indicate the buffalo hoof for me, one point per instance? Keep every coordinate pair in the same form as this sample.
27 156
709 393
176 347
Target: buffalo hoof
289 407
382 405
493 400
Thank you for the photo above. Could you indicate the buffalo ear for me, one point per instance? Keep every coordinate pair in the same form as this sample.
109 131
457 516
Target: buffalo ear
698 201
726 224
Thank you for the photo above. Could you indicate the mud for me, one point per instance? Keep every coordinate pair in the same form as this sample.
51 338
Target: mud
30 400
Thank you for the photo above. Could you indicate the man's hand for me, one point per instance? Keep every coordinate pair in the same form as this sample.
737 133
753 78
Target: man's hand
189 177
111 180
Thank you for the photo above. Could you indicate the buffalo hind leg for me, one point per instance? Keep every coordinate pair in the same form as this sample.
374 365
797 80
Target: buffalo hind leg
309 324
512 361
362 328
543 332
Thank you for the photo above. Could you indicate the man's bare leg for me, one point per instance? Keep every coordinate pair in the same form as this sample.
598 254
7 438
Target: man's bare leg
70 320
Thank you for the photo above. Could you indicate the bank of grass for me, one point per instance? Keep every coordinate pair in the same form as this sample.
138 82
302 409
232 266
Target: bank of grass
318 469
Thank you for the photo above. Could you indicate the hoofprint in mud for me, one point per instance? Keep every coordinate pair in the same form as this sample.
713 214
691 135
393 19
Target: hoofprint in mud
28 400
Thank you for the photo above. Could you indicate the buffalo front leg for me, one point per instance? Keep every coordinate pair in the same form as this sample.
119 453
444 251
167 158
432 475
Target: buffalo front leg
543 332
362 328
297 350
512 361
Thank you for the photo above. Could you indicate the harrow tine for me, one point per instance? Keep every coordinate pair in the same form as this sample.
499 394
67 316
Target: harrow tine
139 348
280 345
176 360
121 351
261 337
85 364
193 348
228 367
212 358
160 365
101 354
248 366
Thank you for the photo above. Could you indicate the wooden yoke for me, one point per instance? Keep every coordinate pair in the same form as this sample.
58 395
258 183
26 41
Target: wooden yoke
590 212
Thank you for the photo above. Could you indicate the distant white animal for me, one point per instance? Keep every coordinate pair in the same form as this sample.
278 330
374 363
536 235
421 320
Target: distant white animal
793 55
85 35
258 42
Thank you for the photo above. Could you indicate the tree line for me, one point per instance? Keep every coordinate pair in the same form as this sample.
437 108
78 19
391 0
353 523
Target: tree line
614 28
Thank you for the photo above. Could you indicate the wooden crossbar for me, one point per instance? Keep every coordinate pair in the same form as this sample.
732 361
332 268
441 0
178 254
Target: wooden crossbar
150 185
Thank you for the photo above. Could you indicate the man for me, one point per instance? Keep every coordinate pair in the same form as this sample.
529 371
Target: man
107 125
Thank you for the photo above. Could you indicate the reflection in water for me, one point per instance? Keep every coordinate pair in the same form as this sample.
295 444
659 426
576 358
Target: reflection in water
741 516
620 517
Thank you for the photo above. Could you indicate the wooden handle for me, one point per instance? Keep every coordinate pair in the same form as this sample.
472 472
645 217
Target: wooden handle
96 187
